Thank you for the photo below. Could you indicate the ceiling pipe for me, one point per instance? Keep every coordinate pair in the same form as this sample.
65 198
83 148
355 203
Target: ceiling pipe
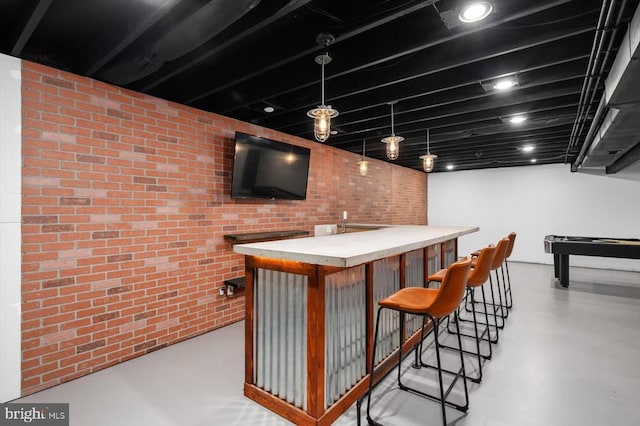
600 56
603 110
596 50
600 73
595 125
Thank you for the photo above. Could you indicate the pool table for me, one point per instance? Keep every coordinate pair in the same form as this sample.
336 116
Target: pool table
562 246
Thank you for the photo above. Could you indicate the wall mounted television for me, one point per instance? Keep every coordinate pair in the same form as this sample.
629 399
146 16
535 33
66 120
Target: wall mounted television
264 168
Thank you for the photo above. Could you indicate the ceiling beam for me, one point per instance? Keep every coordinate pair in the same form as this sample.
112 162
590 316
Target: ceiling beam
308 52
290 7
31 25
162 9
278 88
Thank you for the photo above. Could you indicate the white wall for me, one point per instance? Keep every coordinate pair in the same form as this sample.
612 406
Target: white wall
535 201
10 218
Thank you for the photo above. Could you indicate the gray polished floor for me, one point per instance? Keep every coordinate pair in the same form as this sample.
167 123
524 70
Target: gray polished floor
565 357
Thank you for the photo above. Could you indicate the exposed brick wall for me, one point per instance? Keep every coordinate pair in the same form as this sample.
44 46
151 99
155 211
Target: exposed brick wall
126 199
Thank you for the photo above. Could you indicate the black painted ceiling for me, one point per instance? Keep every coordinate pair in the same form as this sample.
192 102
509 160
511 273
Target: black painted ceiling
235 57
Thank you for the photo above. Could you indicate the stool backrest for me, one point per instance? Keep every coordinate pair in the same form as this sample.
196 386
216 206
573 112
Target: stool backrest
452 289
501 253
480 272
512 240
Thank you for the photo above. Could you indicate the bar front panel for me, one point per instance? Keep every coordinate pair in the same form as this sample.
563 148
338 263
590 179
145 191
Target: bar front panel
386 281
280 338
345 331
414 277
449 252
434 263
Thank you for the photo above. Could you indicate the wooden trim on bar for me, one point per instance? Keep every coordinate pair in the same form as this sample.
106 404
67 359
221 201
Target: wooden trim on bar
402 278
425 266
369 321
315 345
455 248
291 266
278 406
249 325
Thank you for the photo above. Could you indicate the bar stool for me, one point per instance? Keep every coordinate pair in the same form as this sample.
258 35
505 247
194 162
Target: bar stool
512 240
478 276
506 306
435 305
498 309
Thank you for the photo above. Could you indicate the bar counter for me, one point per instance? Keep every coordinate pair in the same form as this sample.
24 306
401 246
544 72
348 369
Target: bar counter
310 306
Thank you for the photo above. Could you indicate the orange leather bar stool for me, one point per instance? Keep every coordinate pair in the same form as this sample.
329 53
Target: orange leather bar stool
498 310
506 284
435 305
509 300
478 276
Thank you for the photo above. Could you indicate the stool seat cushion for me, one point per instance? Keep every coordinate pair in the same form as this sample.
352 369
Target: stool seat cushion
414 300
438 276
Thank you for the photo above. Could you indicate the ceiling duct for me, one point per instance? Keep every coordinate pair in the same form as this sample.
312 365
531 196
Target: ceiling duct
615 130
194 31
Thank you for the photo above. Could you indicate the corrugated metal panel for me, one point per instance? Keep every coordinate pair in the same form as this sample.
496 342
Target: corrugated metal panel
280 302
345 332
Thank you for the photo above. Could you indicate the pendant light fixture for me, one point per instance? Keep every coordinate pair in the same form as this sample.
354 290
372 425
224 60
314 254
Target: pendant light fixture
428 160
363 164
323 114
393 147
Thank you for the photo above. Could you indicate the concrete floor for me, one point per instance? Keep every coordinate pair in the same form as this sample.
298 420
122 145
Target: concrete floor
565 357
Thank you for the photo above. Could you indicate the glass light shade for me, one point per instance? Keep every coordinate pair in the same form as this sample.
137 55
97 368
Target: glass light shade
322 121
393 147
504 84
363 167
428 162
475 11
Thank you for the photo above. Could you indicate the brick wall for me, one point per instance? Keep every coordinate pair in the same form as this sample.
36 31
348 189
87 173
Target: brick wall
125 204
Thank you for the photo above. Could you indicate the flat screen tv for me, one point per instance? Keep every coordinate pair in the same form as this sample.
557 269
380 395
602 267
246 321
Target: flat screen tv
264 168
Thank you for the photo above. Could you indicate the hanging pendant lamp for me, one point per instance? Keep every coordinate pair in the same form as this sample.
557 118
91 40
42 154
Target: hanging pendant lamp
393 141
363 164
428 160
323 114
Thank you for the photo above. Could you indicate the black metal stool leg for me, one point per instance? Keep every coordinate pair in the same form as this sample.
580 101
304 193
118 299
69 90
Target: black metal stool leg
486 318
475 329
510 301
465 407
476 336
504 288
439 364
373 364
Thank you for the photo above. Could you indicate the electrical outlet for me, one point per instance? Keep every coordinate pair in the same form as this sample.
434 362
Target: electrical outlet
222 292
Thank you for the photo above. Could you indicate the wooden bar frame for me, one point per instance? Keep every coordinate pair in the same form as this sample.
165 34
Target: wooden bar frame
316 414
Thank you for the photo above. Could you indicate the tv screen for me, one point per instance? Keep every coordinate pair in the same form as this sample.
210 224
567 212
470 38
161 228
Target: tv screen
263 168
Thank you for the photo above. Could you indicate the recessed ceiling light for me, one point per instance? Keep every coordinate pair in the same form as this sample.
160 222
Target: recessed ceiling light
533 160
528 148
450 166
517 119
504 84
476 11
269 109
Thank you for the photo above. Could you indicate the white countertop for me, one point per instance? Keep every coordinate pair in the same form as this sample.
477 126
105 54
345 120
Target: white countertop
355 248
